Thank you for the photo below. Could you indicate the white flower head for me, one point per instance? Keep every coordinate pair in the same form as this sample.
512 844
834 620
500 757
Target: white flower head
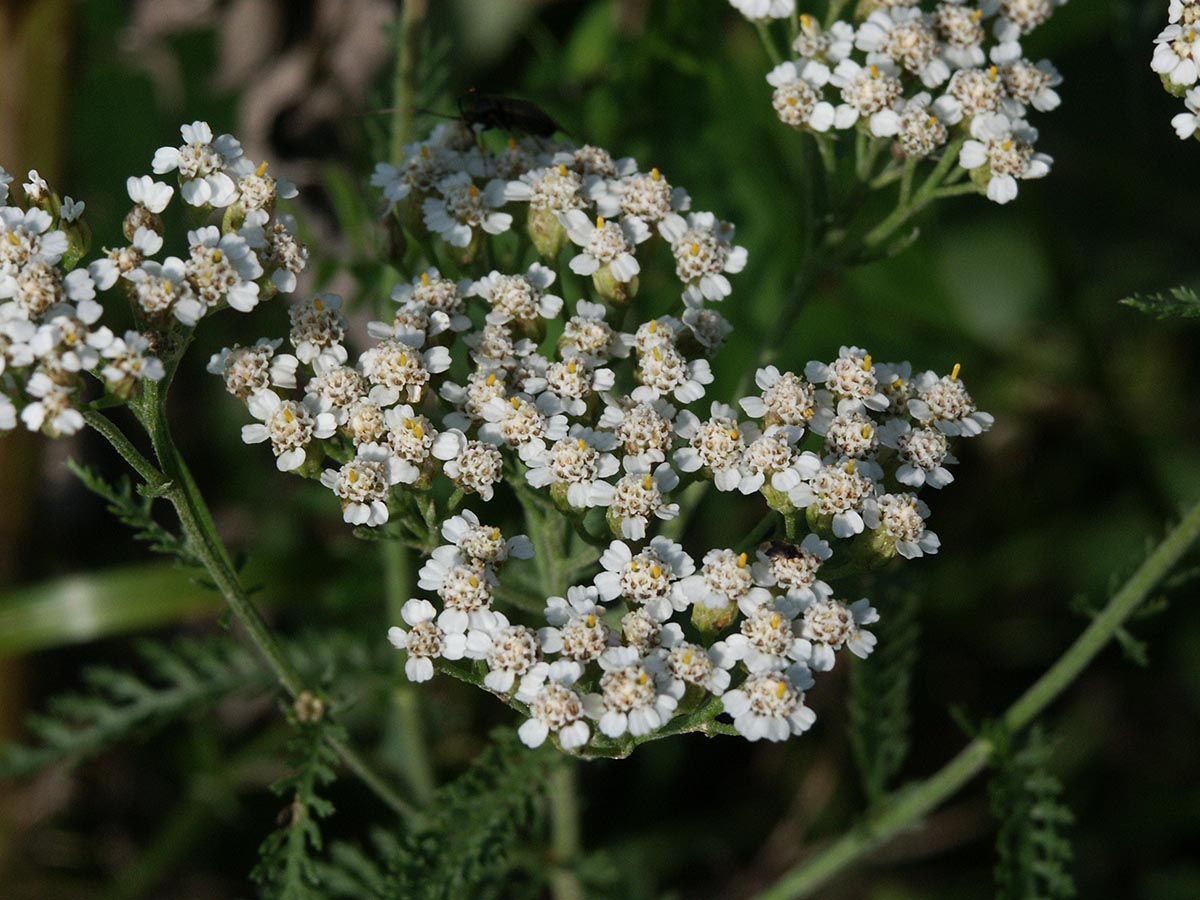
704 252
944 401
462 207
201 161
771 705
641 495
1001 154
646 577
830 624
605 244
633 698
424 640
484 542
289 425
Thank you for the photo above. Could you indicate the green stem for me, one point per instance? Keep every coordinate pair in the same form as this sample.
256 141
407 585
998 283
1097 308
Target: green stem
404 93
406 728
902 808
768 42
566 837
906 180
174 482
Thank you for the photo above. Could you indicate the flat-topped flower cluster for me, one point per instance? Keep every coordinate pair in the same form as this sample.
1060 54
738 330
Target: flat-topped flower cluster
1176 55
51 303
935 80
488 383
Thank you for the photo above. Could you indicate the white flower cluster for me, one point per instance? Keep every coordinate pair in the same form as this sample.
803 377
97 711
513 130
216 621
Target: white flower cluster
493 381
946 77
49 312
1176 50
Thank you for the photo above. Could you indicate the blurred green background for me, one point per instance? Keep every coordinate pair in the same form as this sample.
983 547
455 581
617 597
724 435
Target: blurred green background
1094 449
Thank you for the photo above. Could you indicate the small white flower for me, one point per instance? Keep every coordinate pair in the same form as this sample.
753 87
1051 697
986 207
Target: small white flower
798 98
639 496
704 252
759 10
249 369
767 640
424 640
578 462
52 410
771 705
1001 154
145 191
794 570
901 517
631 700
289 425
558 709
923 453
162 289
221 269
71 210
483 542
814 42
837 492
519 298
705 667
647 577
904 36
868 92
786 399
200 162
463 207
850 379
1187 123
832 624
715 445
318 329
605 243
725 579
644 430
944 401
665 372
364 483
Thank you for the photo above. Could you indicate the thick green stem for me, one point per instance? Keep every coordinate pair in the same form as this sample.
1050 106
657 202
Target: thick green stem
904 807
566 836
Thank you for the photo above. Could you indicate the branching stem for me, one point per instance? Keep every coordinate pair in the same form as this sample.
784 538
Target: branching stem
904 807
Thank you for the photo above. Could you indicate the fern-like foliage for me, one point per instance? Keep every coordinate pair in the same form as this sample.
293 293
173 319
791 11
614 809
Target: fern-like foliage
171 681
133 510
354 873
1176 303
288 868
1033 853
475 823
880 702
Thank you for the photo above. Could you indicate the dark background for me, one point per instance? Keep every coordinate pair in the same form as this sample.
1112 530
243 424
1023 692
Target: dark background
1094 448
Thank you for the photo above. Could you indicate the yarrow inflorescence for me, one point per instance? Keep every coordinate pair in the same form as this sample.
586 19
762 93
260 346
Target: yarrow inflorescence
52 303
594 414
525 364
943 80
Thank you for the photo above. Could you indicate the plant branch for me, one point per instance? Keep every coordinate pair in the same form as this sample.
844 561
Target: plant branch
904 807
173 481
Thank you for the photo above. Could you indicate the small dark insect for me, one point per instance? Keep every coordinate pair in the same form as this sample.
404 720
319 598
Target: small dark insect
505 113
781 549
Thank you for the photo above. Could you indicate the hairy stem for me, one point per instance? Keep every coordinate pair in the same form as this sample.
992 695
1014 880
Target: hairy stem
904 807
173 481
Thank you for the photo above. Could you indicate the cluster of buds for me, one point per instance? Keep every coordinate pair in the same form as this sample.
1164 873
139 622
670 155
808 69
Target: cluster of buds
1176 50
50 331
931 80
490 383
